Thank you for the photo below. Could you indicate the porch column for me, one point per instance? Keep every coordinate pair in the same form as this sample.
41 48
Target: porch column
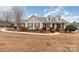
41 25
61 26
46 25
51 25
64 26
55 26
33 26
26 25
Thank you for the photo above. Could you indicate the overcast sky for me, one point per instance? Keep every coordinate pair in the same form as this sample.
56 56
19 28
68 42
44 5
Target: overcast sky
69 13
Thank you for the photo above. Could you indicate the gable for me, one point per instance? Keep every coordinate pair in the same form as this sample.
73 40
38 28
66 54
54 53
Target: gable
33 19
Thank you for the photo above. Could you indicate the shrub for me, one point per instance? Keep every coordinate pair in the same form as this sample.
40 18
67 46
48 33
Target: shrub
11 25
15 27
37 29
43 29
1 26
58 29
70 28
52 30
8 26
23 29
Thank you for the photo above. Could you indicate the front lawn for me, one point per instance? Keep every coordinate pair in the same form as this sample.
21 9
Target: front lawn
24 42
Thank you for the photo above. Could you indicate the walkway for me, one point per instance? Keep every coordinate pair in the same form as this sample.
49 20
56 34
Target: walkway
4 30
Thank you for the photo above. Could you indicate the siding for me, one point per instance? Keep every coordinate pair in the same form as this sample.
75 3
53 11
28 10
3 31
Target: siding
30 25
35 23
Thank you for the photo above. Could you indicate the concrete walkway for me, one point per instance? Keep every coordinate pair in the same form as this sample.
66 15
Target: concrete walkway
4 30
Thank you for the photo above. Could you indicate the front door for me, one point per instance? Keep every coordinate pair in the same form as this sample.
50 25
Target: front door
44 25
58 27
48 26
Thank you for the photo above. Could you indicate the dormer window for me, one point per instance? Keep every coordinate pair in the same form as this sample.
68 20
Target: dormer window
48 18
58 19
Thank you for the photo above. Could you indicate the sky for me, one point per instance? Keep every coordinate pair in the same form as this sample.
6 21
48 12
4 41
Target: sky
69 13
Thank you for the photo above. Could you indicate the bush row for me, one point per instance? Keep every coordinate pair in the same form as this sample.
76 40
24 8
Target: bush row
69 28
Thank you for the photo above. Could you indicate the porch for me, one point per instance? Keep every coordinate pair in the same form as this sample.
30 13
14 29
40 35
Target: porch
55 26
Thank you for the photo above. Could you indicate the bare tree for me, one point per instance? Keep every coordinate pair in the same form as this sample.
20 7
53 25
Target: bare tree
17 14
7 17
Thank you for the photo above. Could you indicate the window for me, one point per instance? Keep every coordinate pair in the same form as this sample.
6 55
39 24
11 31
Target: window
48 25
37 25
58 25
30 25
44 25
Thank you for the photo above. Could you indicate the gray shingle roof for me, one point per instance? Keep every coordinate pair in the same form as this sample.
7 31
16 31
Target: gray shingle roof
53 19
44 19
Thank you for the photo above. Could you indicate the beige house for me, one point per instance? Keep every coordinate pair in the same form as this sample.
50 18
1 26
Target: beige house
35 22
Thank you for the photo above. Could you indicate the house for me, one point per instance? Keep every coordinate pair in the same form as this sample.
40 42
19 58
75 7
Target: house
35 22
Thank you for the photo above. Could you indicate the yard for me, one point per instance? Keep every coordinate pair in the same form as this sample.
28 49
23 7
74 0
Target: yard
27 42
